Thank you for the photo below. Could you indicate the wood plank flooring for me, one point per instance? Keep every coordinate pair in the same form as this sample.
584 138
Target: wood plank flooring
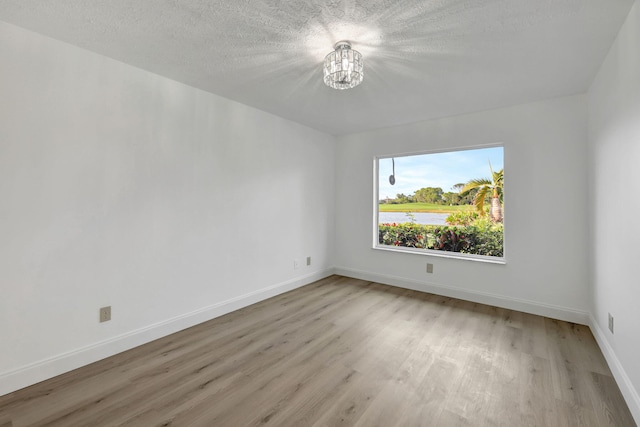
342 352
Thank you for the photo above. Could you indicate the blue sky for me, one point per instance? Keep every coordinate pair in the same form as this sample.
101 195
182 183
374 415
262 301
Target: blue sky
442 170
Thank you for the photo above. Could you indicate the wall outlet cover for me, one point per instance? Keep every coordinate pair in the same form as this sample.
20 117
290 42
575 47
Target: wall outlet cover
105 314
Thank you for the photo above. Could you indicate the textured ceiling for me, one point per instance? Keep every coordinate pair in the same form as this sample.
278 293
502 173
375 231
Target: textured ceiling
423 58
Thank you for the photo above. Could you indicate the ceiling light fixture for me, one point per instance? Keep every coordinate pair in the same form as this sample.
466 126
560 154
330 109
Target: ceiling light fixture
343 67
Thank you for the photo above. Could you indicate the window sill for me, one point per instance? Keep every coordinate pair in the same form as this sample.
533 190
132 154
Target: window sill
442 254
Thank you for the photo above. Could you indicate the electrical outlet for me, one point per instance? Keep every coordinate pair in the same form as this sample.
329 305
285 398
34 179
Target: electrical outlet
296 264
610 322
105 314
429 268
308 260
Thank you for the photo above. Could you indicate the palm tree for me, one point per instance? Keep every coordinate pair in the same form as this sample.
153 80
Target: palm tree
484 186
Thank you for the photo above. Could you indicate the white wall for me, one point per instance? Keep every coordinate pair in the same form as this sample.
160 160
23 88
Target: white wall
614 164
545 199
120 187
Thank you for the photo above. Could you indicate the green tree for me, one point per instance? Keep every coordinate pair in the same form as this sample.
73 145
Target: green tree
452 199
467 197
401 198
484 186
429 195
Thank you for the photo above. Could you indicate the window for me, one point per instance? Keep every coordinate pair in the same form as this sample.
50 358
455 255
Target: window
448 203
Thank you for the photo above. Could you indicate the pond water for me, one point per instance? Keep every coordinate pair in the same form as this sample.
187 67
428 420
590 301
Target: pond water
420 217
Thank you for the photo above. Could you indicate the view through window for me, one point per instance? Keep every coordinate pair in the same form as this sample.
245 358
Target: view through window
449 201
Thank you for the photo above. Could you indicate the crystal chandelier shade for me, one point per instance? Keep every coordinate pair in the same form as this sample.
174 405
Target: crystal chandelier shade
343 68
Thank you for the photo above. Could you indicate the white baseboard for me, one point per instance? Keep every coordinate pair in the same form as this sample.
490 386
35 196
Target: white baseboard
51 367
533 307
627 389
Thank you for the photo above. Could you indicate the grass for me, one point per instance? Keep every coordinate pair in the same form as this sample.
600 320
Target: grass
422 207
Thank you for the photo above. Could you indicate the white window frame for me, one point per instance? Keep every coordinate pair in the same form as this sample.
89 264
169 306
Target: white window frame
432 252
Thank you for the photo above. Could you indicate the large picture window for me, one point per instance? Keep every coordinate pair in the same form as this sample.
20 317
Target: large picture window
448 203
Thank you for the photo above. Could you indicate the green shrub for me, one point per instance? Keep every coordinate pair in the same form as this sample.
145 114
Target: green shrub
407 234
482 237
488 240
462 217
452 239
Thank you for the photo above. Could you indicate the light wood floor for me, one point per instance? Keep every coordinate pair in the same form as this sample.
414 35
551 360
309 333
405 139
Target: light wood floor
343 352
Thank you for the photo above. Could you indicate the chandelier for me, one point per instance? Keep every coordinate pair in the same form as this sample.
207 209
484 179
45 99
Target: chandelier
343 67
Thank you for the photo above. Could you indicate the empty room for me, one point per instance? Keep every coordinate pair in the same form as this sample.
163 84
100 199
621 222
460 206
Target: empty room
303 213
